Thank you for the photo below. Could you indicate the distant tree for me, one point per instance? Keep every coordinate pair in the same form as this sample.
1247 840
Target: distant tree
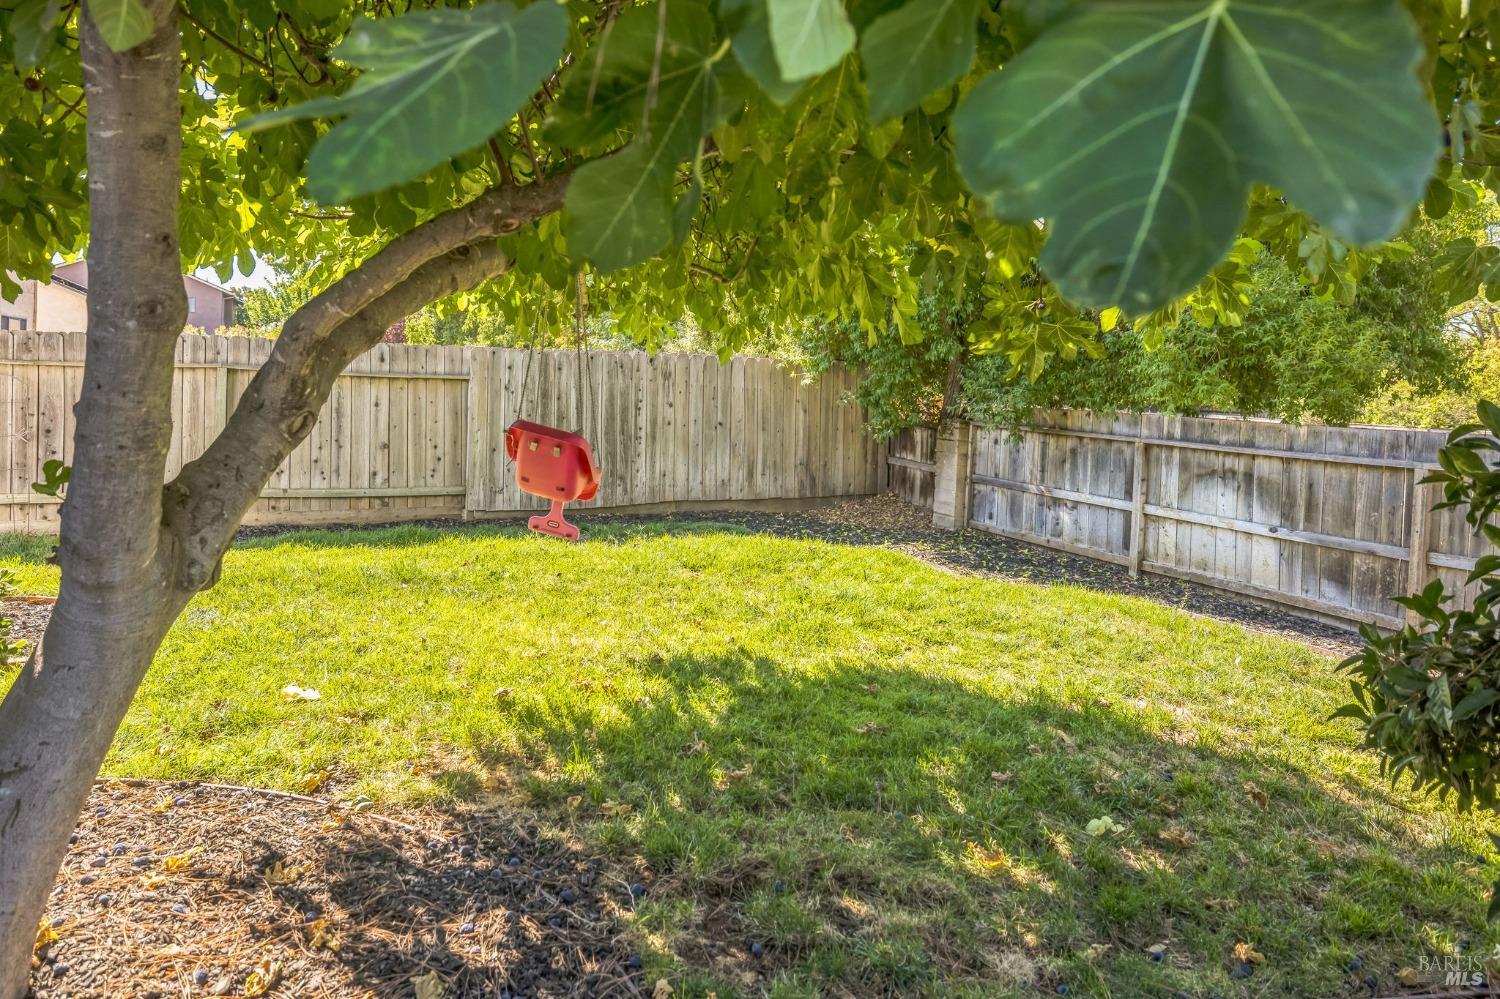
1289 353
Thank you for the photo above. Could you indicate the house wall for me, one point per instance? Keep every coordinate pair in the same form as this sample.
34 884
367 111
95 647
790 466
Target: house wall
23 306
60 309
210 307
56 308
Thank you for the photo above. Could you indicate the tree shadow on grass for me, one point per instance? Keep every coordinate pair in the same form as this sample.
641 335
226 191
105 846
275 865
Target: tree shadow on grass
895 833
490 904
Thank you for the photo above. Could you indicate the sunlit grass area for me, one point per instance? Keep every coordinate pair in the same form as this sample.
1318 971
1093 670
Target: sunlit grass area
890 776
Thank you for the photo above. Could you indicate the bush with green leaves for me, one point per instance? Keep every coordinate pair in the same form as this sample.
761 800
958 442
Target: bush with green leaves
1428 696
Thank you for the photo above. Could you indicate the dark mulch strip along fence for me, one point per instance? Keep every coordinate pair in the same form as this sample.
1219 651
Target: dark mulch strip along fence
493 906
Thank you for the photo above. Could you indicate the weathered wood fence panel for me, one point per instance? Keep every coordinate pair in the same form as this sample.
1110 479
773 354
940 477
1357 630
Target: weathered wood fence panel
413 431
680 428
912 470
1324 519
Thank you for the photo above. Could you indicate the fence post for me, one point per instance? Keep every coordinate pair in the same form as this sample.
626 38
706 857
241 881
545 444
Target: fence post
478 493
954 471
1419 543
1138 510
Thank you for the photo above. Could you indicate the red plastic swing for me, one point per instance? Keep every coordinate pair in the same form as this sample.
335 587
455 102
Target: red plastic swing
555 465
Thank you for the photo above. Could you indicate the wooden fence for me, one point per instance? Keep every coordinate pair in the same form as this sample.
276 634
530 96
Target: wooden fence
1322 519
912 471
412 431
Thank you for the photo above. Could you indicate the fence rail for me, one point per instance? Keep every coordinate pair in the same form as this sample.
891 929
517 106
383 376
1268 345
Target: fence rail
1327 520
413 431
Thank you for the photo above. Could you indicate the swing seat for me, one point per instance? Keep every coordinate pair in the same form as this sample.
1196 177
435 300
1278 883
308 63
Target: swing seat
555 465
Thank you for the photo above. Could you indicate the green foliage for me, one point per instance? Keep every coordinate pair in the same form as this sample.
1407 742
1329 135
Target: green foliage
1428 696
1405 404
1289 354
436 83
268 307
756 164
1139 129
915 51
901 382
55 477
123 24
808 36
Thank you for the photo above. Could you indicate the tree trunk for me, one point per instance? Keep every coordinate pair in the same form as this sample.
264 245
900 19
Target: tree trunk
117 597
132 551
953 389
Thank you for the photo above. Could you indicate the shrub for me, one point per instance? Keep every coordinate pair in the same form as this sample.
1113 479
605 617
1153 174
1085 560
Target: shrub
1428 695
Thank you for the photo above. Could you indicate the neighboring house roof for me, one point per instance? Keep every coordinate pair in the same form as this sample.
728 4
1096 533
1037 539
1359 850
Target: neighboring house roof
75 276
226 292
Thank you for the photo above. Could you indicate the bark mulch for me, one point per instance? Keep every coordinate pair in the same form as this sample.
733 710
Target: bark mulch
181 889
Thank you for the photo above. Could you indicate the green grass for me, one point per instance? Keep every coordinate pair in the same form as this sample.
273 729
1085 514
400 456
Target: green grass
881 769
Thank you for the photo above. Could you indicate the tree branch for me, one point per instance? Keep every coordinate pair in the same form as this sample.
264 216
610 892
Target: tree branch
498 212
204 505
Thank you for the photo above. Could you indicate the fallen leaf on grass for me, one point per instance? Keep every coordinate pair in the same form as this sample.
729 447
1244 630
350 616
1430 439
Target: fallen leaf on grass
314 781
871 688
987 858
869 728
1221 905
292 692
1103 826
1409 977
697 747
179 862
1001 776
732 777
662 990
1177 836
263 979
1248 954
1256 794
429 986
615 809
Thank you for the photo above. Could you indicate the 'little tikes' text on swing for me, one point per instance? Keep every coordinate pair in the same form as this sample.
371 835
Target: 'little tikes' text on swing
551 463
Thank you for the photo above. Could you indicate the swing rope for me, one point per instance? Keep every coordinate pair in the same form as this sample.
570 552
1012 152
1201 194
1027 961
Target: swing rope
536 327
582 359
583 363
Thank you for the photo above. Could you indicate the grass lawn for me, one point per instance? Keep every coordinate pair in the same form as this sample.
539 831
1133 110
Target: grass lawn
882 771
